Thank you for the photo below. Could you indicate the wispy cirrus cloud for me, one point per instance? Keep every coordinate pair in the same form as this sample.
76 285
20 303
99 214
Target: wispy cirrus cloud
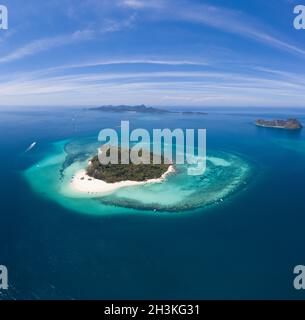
224 19
240 24
132 61
235 22
140 4
198 88
37 46
41 45
152 63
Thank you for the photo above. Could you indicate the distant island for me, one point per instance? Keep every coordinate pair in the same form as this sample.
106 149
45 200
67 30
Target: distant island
112 173
190 113
290 124
142 109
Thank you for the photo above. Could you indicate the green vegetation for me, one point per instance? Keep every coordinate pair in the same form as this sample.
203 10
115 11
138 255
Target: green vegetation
112 173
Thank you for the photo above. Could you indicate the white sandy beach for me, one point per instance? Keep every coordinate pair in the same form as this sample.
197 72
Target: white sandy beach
83 183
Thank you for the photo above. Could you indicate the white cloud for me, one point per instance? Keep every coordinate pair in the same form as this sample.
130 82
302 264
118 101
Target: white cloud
38 46
142 4
131 61
178 88
226 20
136 4
233 22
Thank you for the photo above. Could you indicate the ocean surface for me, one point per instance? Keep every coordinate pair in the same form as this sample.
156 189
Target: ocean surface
237 233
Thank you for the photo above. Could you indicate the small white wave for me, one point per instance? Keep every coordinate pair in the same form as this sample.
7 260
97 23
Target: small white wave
219 162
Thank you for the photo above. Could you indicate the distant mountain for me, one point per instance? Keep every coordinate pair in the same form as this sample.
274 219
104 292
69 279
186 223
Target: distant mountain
142 109
191 113
125 108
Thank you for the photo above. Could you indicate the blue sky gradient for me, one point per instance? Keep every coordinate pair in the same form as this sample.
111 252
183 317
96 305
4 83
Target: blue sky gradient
158 52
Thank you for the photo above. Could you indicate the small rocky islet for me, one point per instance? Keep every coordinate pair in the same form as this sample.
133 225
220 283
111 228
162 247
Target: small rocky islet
289 124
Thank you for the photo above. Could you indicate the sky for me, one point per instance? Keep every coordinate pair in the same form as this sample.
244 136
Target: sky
192 53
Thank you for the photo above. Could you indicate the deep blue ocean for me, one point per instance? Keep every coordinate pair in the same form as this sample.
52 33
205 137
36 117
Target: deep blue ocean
243 248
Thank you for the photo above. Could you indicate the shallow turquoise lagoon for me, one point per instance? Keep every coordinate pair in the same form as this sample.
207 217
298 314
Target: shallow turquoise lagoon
51 177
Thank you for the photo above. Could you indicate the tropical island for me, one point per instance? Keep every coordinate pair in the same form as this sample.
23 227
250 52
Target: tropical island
102 179
142 109
112 173
290 124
